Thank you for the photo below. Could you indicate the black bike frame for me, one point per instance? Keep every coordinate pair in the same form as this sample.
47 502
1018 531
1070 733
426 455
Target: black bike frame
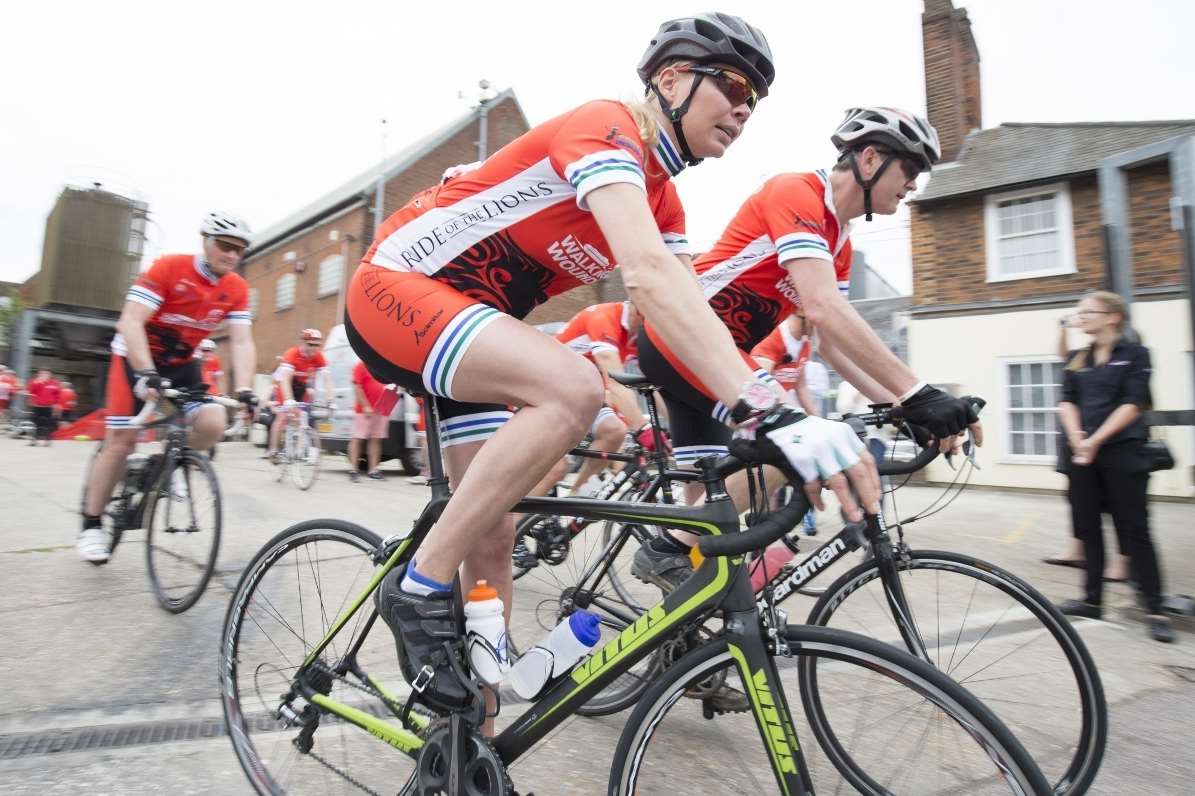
719 584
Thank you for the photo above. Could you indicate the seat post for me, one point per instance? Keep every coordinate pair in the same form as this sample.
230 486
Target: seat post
435 456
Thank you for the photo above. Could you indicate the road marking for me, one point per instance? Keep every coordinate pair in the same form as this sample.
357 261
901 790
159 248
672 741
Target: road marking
1018 533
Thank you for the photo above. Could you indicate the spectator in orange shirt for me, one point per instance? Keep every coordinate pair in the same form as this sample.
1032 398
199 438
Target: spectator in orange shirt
43 391
9 386
367 424
68 401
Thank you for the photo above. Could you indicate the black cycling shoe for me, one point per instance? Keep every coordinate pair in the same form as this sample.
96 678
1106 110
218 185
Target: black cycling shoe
421 625
664 569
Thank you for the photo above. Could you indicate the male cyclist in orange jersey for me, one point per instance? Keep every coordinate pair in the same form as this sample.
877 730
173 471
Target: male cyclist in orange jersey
299 368
438 300
170 308
788 249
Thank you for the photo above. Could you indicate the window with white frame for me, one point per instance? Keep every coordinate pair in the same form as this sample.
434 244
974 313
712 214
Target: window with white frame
1029 233
331 276
254 301
284 292
1034 390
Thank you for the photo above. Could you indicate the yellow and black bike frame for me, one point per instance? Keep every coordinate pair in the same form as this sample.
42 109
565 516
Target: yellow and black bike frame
719 585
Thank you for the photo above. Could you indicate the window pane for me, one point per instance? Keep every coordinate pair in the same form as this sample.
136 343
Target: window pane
1037 373
331 272
1018 444
1016 397
1052 444
1039 444
1018 422
1039 421
1039 397
1014 374
284 297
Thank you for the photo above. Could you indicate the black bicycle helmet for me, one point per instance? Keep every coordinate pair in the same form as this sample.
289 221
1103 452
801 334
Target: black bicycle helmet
707 38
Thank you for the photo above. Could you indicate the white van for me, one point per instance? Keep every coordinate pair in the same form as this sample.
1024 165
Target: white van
336 431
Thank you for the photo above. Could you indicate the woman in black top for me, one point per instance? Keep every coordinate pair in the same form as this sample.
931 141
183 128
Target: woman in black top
1104 393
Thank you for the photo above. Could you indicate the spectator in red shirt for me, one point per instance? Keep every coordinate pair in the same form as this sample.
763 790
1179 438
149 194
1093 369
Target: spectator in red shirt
9 386
367 424
68 401
43 391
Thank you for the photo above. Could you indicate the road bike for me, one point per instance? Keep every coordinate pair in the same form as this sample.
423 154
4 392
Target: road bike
175 497
299 448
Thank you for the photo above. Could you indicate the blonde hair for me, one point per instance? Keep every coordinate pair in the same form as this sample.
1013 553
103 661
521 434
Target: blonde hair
645 119
1111 302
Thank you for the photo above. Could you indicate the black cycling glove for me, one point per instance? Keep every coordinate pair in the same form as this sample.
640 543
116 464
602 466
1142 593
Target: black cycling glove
248 398
939 413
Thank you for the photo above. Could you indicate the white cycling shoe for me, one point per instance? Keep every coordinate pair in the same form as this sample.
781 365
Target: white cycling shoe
95 545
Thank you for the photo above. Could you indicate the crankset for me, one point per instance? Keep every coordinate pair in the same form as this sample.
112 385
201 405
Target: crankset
456 759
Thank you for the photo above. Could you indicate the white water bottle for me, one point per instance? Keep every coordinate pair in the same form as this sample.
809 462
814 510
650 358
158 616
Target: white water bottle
485 633
555 654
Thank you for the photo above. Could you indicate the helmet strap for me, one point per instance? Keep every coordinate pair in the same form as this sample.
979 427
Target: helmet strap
675 115
866 185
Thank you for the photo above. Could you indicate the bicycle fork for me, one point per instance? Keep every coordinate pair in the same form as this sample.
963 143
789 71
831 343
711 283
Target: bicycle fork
887 558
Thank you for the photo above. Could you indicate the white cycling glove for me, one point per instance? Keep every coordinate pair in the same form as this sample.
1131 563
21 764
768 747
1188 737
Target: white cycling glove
815 447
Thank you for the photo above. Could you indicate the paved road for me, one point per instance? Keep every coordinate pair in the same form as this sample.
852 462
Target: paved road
86 649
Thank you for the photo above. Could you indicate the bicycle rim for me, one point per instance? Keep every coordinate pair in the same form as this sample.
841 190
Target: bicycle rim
305 459
999 638
918 732
182 523
578 578
287 598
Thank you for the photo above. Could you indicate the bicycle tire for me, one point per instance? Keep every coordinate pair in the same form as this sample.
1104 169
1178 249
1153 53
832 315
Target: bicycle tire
999 679
197 560
733 755
304 468
258 626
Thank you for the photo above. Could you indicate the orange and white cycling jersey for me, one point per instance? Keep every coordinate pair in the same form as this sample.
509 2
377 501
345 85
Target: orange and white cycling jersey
790 218
190 301
787 354
301 367
602 327
516 229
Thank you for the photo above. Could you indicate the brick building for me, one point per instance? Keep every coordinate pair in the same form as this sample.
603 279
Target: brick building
1007 236
298 267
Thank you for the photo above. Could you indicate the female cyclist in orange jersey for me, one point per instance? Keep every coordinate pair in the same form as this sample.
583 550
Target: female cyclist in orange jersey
438 300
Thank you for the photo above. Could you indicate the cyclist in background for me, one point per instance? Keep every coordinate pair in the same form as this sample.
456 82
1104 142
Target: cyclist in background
788 249
784 354
168 310
10 385
68 401
211 368
301 365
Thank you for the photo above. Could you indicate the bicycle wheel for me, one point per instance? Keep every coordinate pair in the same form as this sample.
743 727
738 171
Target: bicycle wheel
182 526
296 586
997 636
580 573
913 730
304 458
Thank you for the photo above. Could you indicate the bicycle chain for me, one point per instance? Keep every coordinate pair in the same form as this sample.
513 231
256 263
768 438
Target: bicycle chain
347 777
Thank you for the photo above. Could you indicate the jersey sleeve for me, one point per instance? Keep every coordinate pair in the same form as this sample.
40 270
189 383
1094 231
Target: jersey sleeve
795 218
598 145
670 215
289 360
150 286
359 374
239 314
601 336
318 362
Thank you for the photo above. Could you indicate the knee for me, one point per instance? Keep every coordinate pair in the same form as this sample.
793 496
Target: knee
578 397
611 433
121 443
209 421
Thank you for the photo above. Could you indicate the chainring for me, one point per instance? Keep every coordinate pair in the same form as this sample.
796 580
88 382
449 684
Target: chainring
485 773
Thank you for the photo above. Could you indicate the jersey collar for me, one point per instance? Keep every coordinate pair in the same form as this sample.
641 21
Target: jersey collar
844 230
626 316
203 270
668 157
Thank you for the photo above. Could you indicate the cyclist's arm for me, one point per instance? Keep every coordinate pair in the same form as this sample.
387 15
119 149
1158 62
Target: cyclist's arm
326 388
665 291
131 327
244 354
841 325
805 395
621 397
852 373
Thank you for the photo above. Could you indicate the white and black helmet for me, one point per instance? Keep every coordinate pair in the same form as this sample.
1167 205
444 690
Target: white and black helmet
225 225
706 38
900 131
